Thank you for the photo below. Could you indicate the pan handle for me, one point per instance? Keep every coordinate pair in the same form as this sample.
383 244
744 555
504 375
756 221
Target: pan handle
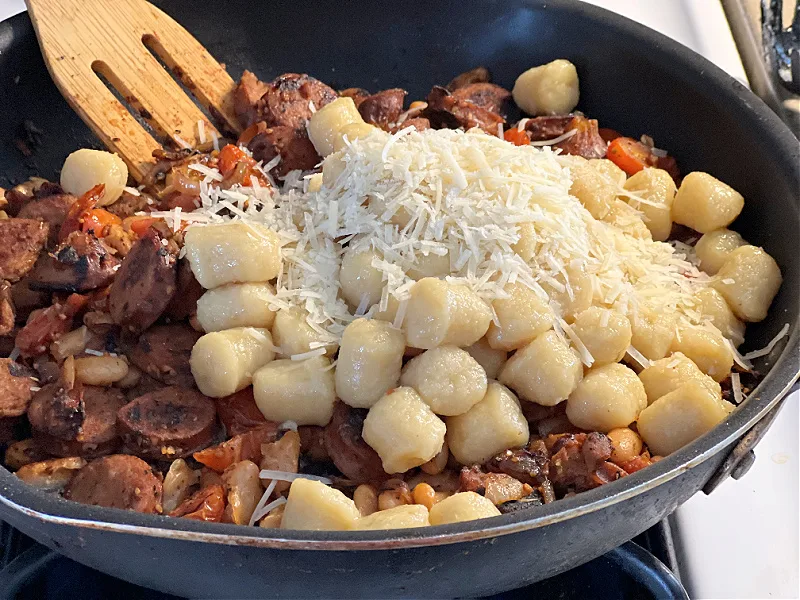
742 457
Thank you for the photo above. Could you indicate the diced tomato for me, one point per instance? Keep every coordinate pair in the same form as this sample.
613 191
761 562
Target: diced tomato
141 224
517 137
628 154
208 504
98 221
637 463
245 446
229 157
48 325
78 211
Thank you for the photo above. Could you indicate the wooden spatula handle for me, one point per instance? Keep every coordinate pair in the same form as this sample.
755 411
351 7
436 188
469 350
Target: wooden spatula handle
81 38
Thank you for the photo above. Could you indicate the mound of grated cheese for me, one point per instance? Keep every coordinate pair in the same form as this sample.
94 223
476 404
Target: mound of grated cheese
459 194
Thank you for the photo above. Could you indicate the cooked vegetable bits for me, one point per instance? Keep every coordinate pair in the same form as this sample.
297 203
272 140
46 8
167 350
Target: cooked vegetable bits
442 314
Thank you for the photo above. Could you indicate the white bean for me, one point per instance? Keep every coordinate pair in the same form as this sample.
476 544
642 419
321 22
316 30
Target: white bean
86 168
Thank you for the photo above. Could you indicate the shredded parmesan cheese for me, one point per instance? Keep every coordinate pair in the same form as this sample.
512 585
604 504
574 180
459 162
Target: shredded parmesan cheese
768 348
472 197
287 476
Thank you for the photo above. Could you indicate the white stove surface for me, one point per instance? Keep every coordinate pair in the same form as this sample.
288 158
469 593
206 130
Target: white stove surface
742 541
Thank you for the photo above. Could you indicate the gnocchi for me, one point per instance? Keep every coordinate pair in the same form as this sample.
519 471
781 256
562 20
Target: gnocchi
594 191
668 374
325 125
236 305
546 371
360 281
608 397
749 280
232 253
447 378
86 168
293 335
223 362
464 506
520 318
399 517
442 313
657 188
707 349
605 333
403 430
714 308
314 506
680 417
704 203
300 391
494 424
715 246
550 89
369 362
489 358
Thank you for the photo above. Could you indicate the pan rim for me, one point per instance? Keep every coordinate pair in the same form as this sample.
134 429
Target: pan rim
48 509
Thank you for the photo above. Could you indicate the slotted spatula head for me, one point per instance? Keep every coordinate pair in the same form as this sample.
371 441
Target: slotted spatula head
82 39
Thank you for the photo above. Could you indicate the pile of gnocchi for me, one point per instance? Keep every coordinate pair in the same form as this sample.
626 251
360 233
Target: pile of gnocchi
451 408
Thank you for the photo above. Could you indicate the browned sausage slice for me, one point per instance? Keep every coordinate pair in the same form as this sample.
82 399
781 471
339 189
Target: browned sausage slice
357 94
144 284
117 481
169 423
57 411
288 100
22 240
347 449
446 110
476 75
163 352
488 96
293 145
15 388
50 209
80 264
383 108
188 292
98 435
418 123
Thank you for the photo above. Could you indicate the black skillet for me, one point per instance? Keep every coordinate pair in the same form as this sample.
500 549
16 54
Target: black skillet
633 80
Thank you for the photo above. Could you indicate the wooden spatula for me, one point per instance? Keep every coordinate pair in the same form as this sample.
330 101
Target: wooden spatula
81 38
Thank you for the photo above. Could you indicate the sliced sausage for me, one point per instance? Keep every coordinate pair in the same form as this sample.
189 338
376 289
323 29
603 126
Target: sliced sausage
57 411
7 313
98 435
117 481
447 111
476 75
52 209
145 283
289 98
418 123
22 240
80 264
382 108
169 423
587 142
246 98
188 292
292 144
488 96
15 388
239 413
163 352
357 94
347 449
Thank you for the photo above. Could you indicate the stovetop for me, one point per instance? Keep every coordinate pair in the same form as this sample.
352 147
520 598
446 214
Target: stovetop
642 569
